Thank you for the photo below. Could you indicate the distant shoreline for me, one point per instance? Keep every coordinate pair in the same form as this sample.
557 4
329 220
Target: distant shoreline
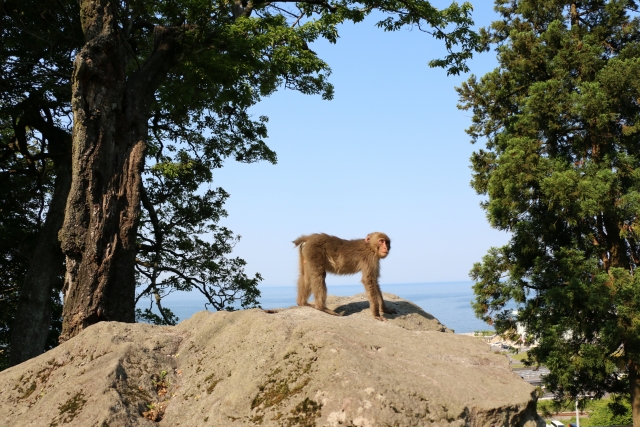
383 284
449 302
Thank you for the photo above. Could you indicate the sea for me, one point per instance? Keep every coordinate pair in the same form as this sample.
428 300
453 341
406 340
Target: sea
449 302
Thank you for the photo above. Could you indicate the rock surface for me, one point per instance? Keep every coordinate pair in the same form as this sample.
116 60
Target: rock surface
294 367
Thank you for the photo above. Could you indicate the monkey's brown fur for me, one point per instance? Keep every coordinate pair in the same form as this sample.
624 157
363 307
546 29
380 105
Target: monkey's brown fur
320 253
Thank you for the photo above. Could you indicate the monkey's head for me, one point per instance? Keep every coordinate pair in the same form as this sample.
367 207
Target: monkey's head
380 243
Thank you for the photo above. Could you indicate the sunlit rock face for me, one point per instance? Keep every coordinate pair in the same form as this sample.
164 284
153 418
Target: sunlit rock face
292 367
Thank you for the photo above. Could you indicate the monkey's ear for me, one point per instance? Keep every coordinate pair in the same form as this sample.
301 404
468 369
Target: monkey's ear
368 238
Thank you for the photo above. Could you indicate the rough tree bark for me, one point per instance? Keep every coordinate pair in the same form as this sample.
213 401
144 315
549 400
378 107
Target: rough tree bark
110 129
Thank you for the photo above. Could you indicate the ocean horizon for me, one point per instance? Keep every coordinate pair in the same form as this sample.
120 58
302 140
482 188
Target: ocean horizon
449 302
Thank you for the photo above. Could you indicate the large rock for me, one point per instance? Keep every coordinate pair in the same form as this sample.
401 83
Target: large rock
294 367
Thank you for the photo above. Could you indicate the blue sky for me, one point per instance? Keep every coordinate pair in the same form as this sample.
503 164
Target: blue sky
388 153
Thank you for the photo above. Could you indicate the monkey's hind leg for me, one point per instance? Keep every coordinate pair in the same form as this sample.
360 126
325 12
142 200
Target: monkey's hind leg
304 284
319 288
304 290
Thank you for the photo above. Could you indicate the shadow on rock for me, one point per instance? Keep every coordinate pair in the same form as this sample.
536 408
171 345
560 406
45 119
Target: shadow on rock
402 308
408 315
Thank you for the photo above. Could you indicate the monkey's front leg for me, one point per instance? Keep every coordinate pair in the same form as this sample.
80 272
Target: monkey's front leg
383 307
375 298
383 310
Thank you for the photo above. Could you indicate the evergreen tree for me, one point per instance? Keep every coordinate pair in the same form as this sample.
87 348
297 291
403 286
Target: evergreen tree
561 172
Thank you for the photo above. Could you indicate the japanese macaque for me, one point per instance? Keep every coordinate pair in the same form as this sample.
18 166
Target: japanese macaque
321 253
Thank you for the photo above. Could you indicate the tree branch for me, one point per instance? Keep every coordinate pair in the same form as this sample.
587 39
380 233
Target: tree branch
153 216
159 304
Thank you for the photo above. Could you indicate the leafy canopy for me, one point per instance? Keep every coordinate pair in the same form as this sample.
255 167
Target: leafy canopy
233 55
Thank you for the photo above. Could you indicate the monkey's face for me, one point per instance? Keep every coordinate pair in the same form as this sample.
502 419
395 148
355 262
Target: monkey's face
384 246
380 243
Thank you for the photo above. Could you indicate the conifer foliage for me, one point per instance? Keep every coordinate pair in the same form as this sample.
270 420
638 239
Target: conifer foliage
560 118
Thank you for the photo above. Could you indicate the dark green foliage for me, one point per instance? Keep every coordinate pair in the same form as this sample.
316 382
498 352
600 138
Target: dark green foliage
21 215
35 56
18 226
148 316
561 169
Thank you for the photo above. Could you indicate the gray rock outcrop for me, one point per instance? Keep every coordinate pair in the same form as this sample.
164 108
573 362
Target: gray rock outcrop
292 367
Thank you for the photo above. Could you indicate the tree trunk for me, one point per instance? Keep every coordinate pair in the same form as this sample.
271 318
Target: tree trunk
634 382
110 111
98 235
30 328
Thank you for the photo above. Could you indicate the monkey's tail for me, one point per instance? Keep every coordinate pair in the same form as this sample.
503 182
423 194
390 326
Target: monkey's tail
299 242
